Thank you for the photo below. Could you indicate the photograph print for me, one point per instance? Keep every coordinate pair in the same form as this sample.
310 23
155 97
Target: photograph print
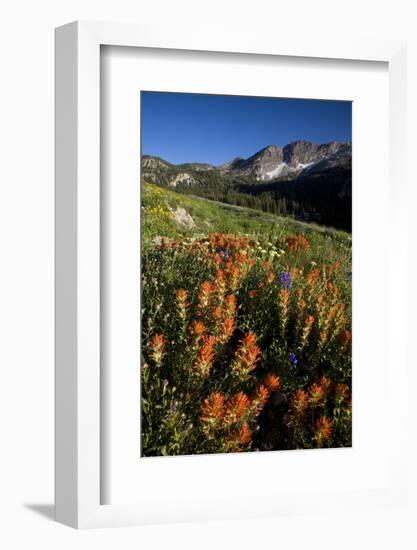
246 274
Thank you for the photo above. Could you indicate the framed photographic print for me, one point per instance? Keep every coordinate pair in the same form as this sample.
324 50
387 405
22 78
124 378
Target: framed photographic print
221 336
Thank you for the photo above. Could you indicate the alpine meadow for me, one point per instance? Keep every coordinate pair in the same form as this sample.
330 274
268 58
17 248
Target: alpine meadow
246 274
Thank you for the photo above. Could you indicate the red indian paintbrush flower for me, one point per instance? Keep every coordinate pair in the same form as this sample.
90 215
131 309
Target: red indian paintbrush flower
326 384
299 242
270 276
181 295
204 296
245 434
272 382
283 300
316 395
220 284
229 306
198 328
247 356
308 325
217 313
205 357
233 273
226 330
236 407
157 347
260 397
213 409
323 430
299 402
218 259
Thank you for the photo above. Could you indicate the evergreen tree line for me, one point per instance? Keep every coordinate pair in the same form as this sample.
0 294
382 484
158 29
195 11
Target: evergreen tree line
325 199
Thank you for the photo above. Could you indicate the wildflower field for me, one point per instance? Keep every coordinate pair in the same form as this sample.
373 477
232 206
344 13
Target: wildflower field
246 330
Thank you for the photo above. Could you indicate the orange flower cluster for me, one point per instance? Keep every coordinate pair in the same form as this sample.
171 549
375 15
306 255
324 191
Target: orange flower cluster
215 304
245 434
313 275
220 241
247 357
300 303
316 395
270 277
220 285
316 399
299 242
272 382
205 357
204 296
225 317
212 411
326 384
229 420
331 320
283 303
308 325
236 268
236 408
198 329
157 348
260 397
299 402
323 430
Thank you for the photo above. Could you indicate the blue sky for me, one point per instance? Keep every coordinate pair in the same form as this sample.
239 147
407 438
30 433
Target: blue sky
215 129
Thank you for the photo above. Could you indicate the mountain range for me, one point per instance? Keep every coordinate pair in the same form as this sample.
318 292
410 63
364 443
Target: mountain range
312 181
269 164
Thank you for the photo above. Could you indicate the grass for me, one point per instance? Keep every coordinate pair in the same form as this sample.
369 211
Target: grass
212 216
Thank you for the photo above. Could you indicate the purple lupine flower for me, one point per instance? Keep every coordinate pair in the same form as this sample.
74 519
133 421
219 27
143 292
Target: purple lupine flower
285 279
293 359
225 254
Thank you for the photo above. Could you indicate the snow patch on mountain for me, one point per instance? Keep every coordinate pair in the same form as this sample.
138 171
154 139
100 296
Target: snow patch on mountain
275 172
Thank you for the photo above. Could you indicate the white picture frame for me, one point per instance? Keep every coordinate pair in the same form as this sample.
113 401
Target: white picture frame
77 241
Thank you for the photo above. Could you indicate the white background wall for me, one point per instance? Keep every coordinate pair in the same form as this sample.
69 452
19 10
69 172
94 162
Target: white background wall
26 269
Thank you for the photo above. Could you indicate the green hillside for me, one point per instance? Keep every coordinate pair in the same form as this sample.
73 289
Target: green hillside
169 214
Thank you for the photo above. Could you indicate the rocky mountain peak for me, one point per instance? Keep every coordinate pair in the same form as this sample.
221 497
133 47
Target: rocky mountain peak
270 150
299 152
